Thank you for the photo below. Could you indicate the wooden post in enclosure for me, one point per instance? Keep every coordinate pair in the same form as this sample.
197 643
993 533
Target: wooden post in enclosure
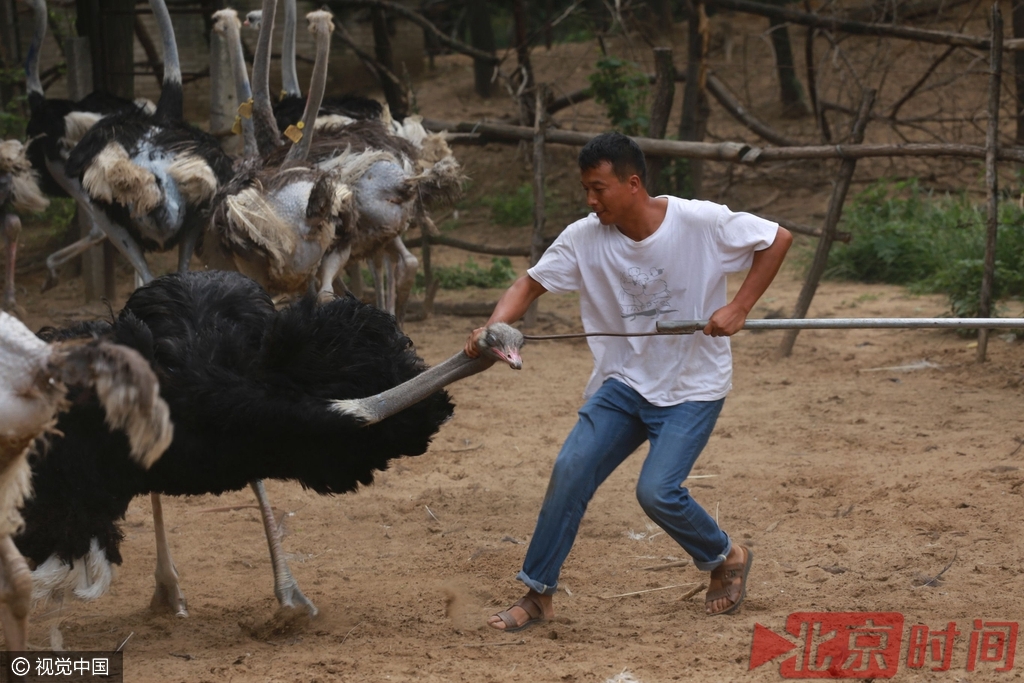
790 90
79 58
481 36
828 231
1017 19
692 125
524 80
10 54
661 107
537 241
991 177
395 95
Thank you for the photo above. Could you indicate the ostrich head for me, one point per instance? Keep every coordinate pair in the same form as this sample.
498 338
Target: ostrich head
499 342
223 19
253 19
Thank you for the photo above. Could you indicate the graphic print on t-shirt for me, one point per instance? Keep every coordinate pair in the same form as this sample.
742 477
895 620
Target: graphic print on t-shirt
644 293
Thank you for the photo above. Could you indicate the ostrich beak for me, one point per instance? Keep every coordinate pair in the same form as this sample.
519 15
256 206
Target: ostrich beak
510 356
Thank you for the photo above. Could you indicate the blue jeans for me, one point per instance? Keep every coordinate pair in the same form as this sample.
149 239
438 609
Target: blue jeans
612 424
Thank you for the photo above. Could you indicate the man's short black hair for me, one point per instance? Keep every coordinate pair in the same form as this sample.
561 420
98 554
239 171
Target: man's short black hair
620 151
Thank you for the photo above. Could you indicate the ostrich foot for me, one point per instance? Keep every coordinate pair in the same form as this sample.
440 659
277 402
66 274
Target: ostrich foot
167 596
291 599
11 306
52 280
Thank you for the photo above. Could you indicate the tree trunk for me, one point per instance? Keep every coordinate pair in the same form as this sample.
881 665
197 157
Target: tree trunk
991 179
661 107
693 124
523 80
1018 68
10 50
828 231
395 95
794 104
481 36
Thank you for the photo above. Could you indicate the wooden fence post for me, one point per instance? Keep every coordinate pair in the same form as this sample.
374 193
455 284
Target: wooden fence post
395 95
79 59
692 125
828 231
537 241
991 178
661 107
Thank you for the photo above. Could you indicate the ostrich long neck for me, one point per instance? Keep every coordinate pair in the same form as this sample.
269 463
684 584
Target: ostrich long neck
373 409
321 27
289 75
267 137
171 104
35 48
242 88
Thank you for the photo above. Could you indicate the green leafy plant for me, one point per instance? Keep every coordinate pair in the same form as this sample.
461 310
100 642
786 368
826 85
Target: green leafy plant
512 209
470 274
903 234
622 87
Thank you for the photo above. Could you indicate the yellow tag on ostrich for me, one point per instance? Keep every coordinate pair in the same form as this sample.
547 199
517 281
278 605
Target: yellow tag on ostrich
294 133
284 94
237 128
245 109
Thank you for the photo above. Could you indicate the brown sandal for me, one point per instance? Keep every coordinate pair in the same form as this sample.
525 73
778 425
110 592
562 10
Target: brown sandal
527 604
734 583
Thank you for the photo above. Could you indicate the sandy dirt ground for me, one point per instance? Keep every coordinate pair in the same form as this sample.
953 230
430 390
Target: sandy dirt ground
851 478
856 470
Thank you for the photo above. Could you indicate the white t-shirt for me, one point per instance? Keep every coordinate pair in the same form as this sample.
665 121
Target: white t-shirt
678 273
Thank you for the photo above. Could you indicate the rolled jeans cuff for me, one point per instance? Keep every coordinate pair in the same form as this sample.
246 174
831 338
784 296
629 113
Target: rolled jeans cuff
715 563
536 586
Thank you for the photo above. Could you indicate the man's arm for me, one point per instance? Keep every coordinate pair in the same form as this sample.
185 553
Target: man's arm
729 319
510 308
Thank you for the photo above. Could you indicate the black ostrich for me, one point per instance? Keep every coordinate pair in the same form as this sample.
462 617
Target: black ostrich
55 126
152 174
254 393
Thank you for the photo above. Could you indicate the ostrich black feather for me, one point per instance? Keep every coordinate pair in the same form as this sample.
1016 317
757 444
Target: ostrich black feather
248 388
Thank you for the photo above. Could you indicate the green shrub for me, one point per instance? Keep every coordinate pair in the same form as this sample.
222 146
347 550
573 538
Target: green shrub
622 87
470 274
904 235
512 210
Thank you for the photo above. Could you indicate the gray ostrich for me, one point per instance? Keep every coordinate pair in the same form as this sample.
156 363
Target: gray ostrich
278 216
33 378
19 193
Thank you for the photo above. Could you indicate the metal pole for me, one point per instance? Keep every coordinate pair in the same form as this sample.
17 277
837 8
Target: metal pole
669 327
691 326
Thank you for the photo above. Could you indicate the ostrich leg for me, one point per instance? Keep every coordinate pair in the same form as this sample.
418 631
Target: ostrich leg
390 268
376 263
187 246
12 229
355 277
167 593
406 275
15 595
330 265
117 235
56 260
289 596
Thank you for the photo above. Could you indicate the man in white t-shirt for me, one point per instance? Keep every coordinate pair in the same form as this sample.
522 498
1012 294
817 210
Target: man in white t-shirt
635 260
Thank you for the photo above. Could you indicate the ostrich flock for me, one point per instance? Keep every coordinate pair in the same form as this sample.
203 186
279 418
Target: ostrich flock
202 384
